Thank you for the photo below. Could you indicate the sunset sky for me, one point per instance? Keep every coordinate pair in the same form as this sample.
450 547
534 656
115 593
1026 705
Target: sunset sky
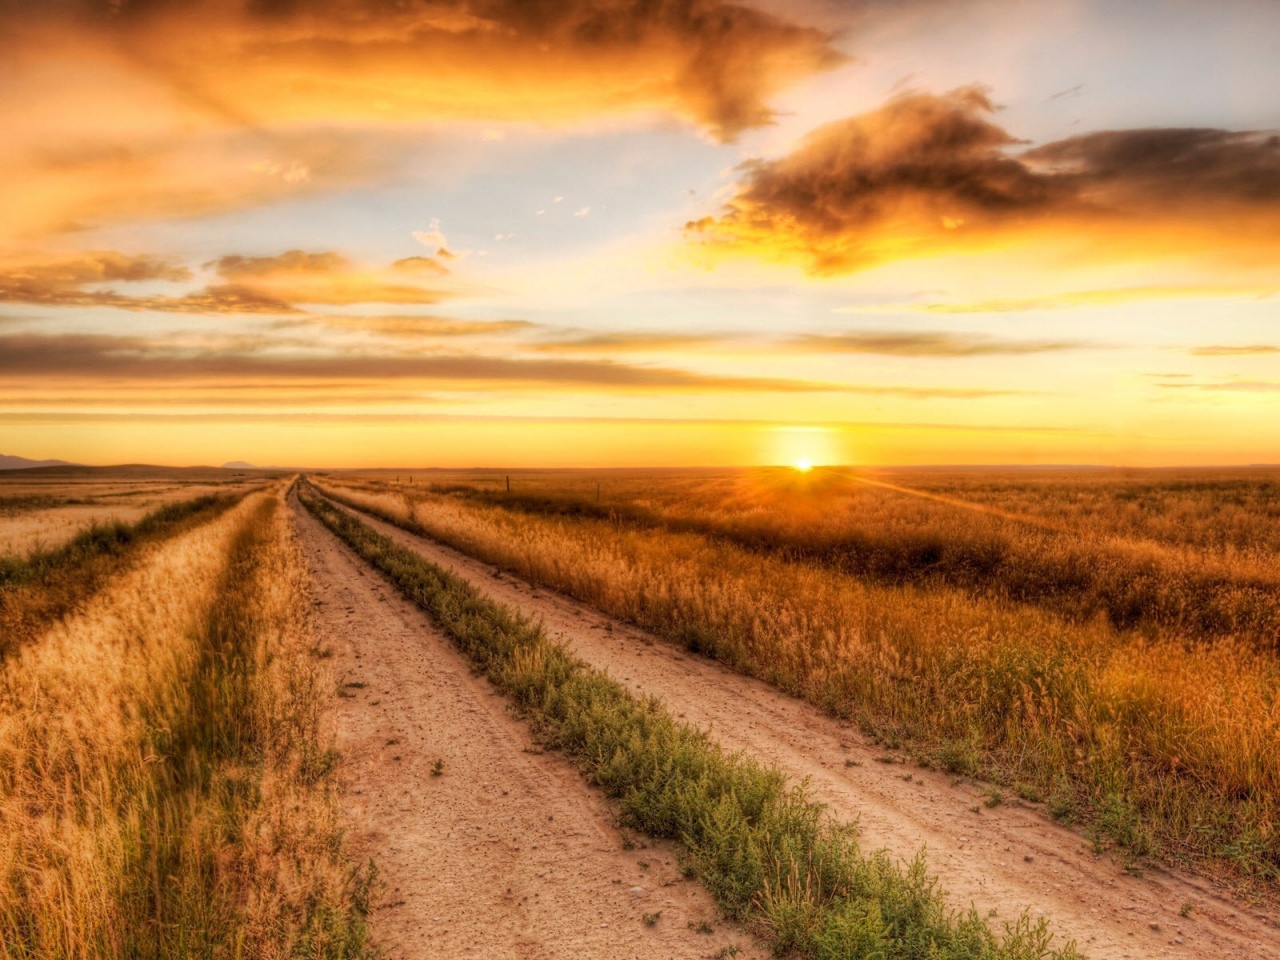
640 232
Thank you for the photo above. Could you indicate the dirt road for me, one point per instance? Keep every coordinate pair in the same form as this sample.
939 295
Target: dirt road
506 853
1003 859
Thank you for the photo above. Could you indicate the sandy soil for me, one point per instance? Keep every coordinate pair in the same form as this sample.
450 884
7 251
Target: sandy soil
1003 859
506 853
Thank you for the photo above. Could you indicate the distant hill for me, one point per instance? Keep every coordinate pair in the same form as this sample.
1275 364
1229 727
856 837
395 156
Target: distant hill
246 465
22 463
134 471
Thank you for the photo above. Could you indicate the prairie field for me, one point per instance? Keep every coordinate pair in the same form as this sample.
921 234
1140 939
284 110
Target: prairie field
1104 642
667 714
42 515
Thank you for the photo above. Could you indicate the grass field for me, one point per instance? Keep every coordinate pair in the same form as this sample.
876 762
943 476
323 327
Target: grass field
170 785
40 517
768 853
1104 642
167 784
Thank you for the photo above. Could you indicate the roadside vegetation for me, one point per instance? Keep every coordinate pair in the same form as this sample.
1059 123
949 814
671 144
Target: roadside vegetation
768 854
1167 746
166 784
38 589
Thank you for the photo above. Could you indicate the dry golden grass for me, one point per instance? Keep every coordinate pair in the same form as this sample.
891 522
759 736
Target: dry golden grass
46 586
165 784
1167 746
40 518
1196 556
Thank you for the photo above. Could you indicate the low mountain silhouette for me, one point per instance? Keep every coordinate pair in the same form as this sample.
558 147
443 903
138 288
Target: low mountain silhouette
22 463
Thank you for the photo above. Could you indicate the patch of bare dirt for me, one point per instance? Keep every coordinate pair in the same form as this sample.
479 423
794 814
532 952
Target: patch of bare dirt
505 852
1003 859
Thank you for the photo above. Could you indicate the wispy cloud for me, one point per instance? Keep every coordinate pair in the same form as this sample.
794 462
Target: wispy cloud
629 342
254 285
1235 350
1221 386
37 360
929 344
76 282
414 328
327 277
84 356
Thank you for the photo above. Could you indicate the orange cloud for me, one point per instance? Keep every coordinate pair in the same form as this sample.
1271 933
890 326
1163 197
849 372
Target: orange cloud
71 282
711 60
415 328
297 276
1241 350
133 109
254 284
83 358
30 364
929 344
624 342
108 152
927 175
235 267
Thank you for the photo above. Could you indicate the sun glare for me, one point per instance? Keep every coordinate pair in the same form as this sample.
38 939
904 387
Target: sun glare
804 466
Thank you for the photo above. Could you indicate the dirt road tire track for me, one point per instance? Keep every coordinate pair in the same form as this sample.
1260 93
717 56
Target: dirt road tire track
507 853
1008 858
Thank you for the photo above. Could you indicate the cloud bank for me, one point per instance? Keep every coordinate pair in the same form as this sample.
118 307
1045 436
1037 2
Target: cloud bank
927 175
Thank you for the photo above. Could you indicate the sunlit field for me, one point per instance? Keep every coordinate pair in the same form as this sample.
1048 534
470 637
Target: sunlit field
167 783
1102 641
1099 645
40 515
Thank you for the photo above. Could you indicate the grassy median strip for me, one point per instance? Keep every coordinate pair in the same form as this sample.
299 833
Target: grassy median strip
770 855
46 586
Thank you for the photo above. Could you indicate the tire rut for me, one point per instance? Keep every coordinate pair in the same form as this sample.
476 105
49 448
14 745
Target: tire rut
507 852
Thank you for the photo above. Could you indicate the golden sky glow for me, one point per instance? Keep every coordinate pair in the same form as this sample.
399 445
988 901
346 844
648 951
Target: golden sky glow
612 232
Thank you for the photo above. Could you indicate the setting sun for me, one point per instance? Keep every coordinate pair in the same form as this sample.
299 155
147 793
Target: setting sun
804 466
